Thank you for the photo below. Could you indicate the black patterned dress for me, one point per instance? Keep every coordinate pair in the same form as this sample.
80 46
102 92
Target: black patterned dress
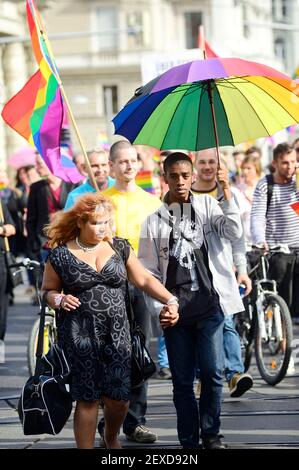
95 336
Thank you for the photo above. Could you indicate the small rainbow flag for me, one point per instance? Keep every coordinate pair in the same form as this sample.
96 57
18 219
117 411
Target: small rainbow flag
144 179
36 111
295 207
102 141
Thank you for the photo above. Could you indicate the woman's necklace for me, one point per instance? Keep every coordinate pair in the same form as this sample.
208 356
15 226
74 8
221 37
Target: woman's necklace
84 247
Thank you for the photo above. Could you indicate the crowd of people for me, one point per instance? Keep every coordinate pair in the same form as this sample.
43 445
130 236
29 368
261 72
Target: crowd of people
182 246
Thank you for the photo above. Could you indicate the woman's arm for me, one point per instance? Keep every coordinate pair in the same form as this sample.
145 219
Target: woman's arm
145 281
52 284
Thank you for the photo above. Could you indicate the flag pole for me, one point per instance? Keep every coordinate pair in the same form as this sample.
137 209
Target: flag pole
202 45
72 117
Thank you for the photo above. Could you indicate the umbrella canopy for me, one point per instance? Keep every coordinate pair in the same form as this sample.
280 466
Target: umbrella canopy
22 157
207 103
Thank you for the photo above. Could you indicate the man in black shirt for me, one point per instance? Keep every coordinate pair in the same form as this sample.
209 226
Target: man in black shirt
186 244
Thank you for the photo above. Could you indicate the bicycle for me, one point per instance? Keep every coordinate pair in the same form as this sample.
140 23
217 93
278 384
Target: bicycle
50 329
266 323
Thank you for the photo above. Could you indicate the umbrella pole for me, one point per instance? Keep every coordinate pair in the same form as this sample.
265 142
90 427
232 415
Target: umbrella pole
211 98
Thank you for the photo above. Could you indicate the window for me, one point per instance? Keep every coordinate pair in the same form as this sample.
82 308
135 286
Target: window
279 10
192 22
135 29
107 21
280 50
110 99
246 28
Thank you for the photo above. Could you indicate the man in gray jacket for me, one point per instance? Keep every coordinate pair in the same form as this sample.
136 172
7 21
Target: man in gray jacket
206 166
186 244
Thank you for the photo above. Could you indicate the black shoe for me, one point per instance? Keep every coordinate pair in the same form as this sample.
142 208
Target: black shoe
213 442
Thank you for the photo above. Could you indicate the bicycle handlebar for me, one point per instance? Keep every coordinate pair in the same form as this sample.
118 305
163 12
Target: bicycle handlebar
279 248
26 263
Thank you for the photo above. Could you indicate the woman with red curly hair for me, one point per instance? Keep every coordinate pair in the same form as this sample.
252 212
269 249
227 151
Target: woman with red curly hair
91 267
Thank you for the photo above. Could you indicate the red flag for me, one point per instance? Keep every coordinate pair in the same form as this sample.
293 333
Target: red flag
209 51
295 207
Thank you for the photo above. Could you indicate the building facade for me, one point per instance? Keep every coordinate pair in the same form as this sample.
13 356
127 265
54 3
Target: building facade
104 49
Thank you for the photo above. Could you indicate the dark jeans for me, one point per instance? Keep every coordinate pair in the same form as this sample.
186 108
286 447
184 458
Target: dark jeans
296 287
3 296
138 402
284 268
202 342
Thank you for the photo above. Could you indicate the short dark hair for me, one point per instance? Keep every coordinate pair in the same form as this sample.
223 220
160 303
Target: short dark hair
174 158
281 150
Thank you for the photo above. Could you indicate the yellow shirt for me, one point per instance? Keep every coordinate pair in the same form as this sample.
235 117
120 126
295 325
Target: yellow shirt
212 193
131 209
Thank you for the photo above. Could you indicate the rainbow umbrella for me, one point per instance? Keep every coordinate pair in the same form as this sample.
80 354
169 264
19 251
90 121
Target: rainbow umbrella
209 103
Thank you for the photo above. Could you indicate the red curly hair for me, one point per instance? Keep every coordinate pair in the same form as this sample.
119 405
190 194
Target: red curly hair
64 226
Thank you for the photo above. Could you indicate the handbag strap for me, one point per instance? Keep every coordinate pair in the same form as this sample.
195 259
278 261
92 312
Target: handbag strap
40 341
130 311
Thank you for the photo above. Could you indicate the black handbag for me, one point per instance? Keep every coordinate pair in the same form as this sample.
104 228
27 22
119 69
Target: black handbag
142 365
45 403
14 274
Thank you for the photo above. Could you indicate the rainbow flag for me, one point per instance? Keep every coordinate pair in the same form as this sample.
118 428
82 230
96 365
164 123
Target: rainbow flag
43 57
36 111
295 207
144 179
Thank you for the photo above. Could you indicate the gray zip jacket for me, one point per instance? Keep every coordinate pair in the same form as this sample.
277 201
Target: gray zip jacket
220 224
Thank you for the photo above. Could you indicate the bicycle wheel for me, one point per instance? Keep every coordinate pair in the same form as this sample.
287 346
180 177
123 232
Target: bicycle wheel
273 338
49 339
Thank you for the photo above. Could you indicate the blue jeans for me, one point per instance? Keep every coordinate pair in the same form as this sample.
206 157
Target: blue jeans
162 353
200 343
232 349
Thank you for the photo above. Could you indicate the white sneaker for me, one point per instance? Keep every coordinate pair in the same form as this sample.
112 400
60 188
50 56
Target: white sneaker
291 368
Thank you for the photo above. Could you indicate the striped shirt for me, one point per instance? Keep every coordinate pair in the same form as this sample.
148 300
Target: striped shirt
282 223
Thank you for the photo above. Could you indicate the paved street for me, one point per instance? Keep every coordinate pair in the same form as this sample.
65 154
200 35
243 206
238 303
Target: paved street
267 417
